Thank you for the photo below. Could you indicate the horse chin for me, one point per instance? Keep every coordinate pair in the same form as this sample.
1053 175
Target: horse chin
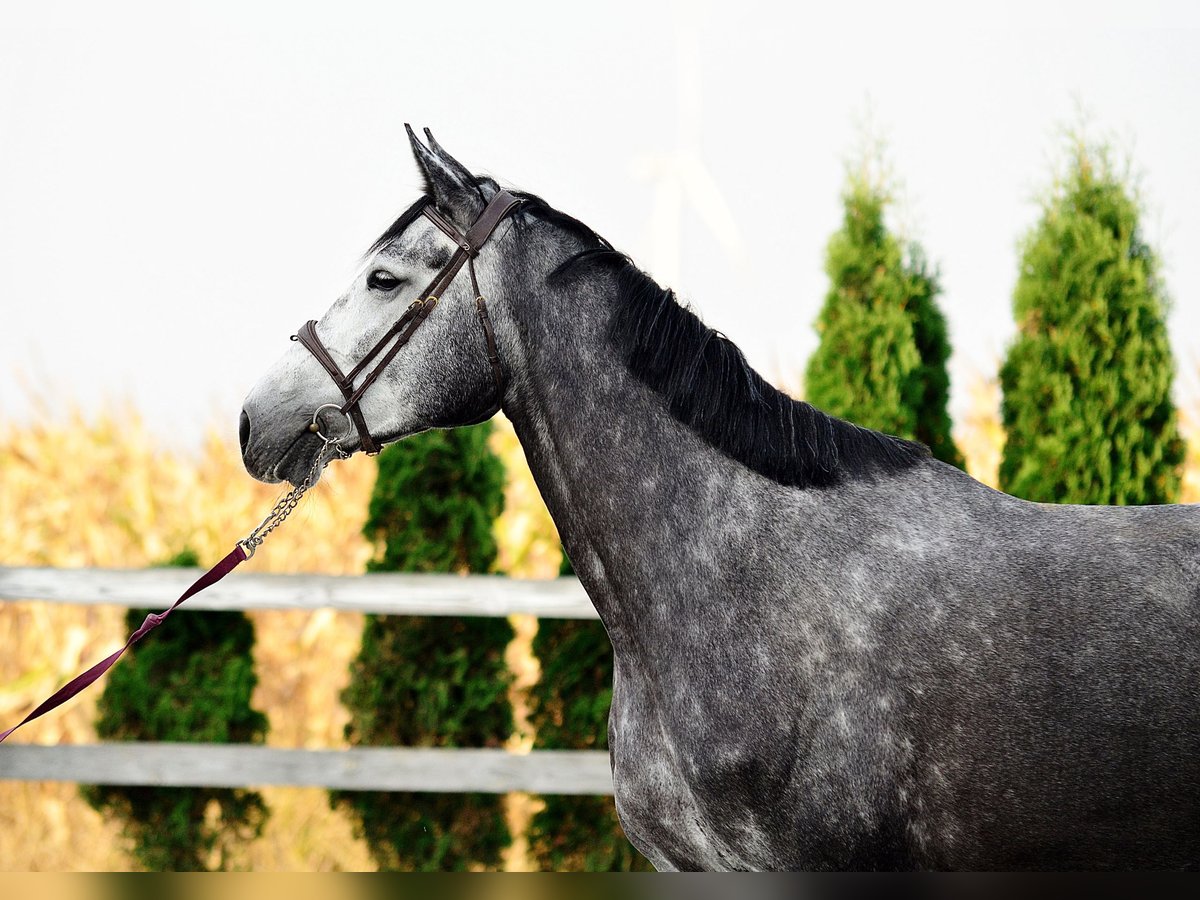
260 469
296 462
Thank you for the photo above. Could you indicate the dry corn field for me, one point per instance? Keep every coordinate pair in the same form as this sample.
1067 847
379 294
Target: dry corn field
99 491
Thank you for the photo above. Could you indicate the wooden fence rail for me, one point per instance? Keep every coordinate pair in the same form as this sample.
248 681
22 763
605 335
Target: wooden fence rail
360 768
413 595
356 769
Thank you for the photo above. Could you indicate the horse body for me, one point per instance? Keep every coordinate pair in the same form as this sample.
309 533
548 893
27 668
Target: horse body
907 671
860 659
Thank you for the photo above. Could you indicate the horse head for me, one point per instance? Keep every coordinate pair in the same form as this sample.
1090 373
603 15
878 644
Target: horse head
367 357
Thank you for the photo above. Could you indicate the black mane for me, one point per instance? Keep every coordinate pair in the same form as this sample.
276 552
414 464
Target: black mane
708 385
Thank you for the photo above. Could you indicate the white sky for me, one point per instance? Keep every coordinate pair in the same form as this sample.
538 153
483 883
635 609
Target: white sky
180 187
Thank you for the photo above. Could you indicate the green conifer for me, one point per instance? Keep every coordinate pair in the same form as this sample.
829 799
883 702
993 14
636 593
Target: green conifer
881 360
432 681
190 680
1087 383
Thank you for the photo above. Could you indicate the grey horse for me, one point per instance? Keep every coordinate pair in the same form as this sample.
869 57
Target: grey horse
831 650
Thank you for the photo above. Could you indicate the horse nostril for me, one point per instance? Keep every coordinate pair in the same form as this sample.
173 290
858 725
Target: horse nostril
244 430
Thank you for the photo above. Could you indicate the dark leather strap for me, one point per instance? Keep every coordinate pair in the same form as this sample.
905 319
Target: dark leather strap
401 332
490 336
433 215
493 214
423 309
398 326
307 336
445 278
485 322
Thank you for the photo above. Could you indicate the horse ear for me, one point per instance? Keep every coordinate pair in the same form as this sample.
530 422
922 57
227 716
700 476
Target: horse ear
447 160
448 181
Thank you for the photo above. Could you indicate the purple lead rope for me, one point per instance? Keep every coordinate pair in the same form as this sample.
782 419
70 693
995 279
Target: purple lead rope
85 679
242 552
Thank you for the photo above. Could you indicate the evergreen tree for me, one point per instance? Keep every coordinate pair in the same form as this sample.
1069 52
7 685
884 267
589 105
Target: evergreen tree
432 681
569 708
1087 382
189 682
881 360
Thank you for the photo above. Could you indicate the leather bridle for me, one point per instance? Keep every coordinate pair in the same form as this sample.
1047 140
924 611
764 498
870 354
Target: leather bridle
401 332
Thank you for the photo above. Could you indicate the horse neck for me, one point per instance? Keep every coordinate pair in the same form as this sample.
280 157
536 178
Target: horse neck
642 504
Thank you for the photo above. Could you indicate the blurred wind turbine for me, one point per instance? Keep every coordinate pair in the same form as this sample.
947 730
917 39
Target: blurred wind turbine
680 175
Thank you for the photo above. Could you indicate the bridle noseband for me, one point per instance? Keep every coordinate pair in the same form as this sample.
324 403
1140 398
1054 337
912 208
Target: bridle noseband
418 311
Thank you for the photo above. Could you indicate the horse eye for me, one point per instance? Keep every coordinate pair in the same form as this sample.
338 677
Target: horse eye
382 280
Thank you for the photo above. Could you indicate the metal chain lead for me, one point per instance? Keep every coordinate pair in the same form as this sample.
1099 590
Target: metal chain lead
331 450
